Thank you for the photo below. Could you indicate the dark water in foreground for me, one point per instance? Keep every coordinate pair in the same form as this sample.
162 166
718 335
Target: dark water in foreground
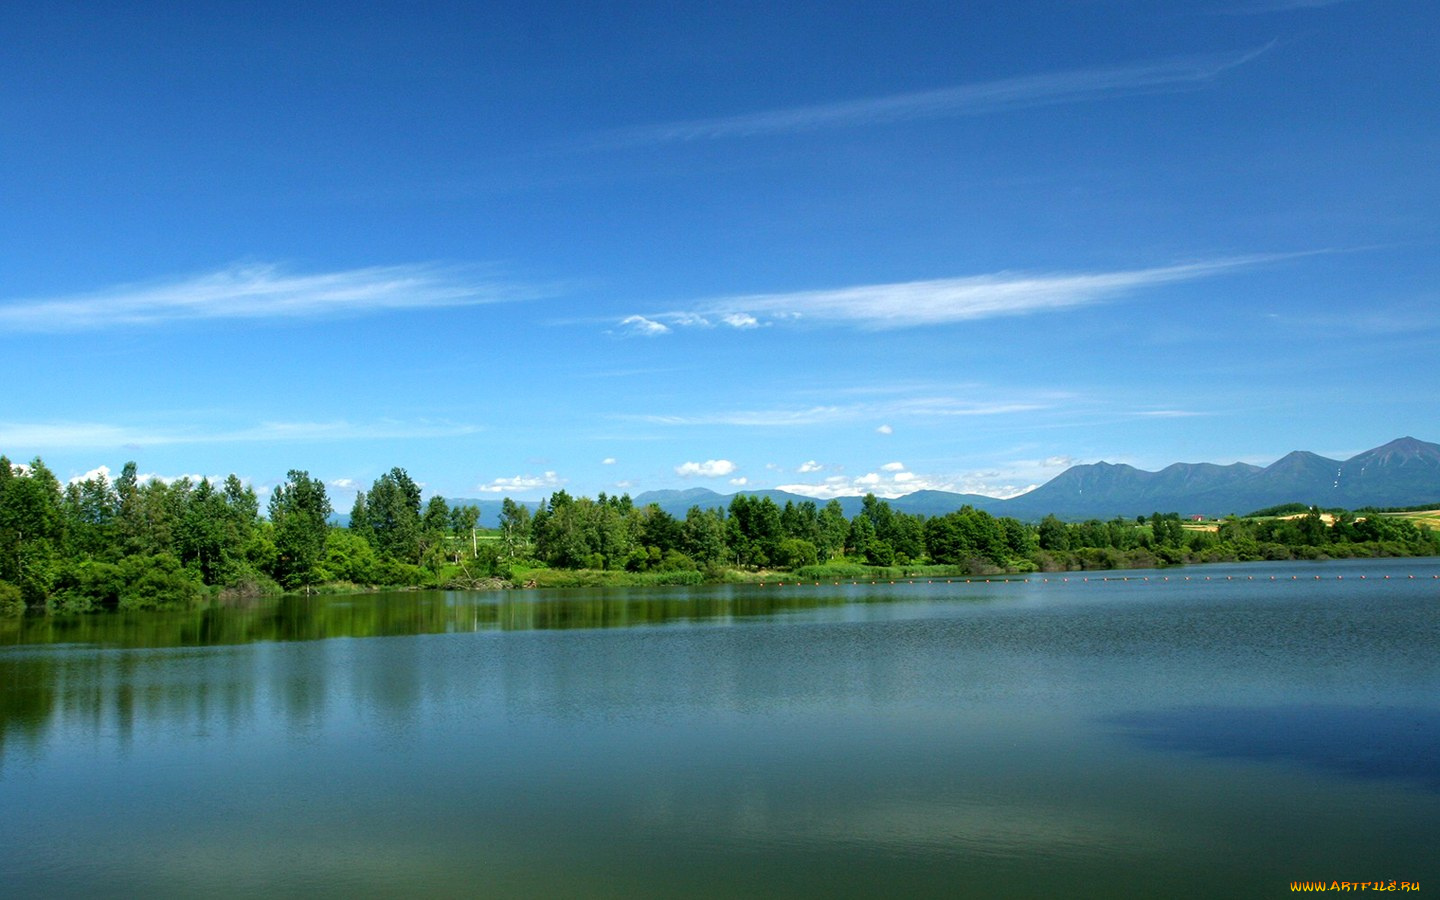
1223 735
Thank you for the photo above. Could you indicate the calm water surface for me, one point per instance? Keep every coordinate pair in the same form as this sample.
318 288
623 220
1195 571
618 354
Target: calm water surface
1217 731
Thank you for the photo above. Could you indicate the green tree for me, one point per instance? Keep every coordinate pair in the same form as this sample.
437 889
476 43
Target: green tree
1019 537
880 553
129 519
1053 535
704 535
299 510
31 528
753 529
90 508
158 582
861 536
515 529
945 542
360 518
792 553
203 533
12 603
831 530
657 528
349 557
561 534
434 524
463 520
393 511
436 519
907 535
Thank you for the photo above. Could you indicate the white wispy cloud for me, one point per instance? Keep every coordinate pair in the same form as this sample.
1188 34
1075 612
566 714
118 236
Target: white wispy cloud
948 300
890 483
942 301
45 435
710 468
520 483
740 320
909 407
640 326
809 466
815 415
977 98
262 291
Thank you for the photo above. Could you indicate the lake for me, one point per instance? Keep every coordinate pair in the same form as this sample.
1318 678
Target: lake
1198 732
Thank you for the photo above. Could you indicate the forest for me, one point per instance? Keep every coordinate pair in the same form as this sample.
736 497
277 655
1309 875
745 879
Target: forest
132 543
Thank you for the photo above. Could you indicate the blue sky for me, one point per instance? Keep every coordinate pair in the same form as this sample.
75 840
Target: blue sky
827 247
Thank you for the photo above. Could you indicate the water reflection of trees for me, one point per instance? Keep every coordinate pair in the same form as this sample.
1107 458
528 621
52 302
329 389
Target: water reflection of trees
297 618
103 673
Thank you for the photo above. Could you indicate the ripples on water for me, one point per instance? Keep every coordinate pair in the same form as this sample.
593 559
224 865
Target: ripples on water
1060 738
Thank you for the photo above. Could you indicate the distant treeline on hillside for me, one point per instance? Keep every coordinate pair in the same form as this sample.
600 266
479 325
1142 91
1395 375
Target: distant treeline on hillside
97 544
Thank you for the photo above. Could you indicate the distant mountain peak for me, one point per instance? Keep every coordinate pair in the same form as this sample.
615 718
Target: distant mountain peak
1403 449
1403 472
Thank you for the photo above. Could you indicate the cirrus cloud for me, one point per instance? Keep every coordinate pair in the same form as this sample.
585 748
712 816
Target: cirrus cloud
640 326
53 435
976 98
939 301
263 291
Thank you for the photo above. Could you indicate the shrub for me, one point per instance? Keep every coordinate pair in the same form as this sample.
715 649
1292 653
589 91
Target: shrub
158 582
793 553
11 603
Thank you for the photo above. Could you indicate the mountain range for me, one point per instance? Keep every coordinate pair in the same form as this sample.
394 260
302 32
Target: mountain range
1404 472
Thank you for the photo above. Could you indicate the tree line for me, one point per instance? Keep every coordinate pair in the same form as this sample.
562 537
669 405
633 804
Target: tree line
125 543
